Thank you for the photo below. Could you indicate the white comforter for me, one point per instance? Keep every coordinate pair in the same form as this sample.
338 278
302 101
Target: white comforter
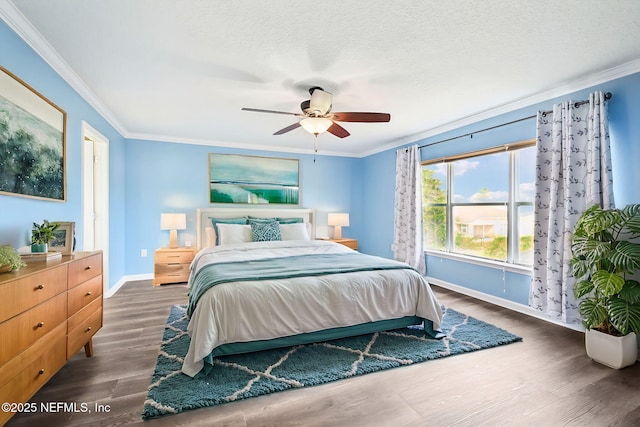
249 310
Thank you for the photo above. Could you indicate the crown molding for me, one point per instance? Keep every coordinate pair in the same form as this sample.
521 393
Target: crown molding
21 26
18 23
585 82
238 145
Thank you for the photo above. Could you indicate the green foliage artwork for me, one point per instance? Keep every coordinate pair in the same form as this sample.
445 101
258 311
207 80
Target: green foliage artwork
32 142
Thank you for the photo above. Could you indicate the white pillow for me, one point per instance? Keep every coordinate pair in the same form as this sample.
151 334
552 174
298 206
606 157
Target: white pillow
297 231
233 233
210 234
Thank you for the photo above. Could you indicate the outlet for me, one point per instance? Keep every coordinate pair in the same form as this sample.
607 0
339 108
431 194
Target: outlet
187 244
143 252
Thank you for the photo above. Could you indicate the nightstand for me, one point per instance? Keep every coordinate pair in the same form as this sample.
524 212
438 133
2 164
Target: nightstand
171 265
350 243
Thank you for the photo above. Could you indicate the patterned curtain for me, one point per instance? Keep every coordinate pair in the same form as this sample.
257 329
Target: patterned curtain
573 173
407 220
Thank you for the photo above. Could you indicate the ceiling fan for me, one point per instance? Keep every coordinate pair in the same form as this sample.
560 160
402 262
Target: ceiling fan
318 118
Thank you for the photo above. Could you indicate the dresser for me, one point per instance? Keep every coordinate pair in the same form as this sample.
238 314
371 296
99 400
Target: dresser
48 312
171 265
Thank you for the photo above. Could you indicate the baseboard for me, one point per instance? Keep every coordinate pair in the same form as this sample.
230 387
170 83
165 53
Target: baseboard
124 279
520 308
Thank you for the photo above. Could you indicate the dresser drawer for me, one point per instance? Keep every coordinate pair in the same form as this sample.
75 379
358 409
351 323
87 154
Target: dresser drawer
84 269
171 269
20 332
86 323
16 365
174 257
83 294
25 374
171 273
170 278
21 294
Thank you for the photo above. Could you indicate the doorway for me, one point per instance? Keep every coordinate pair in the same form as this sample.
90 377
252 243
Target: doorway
95 196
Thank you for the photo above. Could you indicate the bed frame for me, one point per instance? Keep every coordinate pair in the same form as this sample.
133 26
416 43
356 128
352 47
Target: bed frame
204 220
204 215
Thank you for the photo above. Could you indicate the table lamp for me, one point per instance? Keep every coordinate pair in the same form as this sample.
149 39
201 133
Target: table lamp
173 222
338 220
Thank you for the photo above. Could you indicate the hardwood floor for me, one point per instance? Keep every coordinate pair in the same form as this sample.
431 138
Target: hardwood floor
546 380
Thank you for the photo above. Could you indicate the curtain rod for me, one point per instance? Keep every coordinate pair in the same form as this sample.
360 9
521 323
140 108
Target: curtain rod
607 96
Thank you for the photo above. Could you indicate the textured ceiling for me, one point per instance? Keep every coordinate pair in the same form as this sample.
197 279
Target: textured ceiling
182 70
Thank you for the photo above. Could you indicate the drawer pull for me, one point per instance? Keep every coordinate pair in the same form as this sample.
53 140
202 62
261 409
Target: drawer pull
88 267
40 287
89 293
40 324
88 329
41 371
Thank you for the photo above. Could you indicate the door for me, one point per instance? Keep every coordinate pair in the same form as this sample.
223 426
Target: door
95 195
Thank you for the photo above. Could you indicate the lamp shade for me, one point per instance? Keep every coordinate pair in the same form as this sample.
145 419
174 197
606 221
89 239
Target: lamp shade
173 221
315 125
341 219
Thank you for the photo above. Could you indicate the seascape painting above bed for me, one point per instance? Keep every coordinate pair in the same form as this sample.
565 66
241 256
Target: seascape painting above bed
235 178
260 280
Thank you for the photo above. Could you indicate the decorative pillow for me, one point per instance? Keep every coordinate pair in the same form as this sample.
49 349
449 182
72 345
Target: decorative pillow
233 233
296 231
259 219
281 220
265 231
290 220
216 221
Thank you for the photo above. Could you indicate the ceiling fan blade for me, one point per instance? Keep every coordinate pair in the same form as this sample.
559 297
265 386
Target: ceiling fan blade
258 110
320 102
338 131
361 117
288 128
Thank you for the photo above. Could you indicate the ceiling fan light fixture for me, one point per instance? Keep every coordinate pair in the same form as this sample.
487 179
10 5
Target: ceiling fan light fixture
316 125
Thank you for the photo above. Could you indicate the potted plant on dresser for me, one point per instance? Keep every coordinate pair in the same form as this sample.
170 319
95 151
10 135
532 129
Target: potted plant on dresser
9 259
604 260
41 235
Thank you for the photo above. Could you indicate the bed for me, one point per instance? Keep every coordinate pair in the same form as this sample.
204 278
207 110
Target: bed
248 295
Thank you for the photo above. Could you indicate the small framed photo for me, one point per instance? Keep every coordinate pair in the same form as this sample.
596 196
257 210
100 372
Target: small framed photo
63 238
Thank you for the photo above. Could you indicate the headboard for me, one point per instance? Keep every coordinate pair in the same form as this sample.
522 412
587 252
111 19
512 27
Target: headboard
204 215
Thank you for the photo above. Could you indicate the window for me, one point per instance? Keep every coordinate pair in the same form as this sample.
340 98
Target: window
481 204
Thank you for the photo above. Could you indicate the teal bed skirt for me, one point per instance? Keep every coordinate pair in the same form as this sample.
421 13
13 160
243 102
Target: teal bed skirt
318 336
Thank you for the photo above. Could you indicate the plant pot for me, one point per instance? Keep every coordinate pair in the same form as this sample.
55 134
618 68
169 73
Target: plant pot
39 247
614 352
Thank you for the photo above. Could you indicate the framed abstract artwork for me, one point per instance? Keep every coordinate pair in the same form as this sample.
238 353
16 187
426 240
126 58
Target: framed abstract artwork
34 139
235 178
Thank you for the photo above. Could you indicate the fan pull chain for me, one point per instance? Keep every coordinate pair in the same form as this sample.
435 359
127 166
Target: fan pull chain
315 147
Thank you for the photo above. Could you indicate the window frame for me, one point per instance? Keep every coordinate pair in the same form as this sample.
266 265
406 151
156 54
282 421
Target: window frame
513 206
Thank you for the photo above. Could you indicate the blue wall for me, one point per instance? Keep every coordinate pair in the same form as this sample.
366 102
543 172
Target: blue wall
169 177
18 213
378 173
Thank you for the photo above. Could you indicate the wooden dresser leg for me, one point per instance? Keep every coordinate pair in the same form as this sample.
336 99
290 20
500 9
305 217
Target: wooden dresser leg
88 348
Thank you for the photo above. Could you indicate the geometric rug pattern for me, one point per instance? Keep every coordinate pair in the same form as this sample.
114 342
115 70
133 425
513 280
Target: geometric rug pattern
255 374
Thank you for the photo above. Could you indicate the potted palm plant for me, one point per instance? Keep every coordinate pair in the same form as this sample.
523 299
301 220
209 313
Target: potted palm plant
41 235
604 260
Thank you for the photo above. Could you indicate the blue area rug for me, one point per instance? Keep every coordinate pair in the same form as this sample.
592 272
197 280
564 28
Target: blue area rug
254 374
